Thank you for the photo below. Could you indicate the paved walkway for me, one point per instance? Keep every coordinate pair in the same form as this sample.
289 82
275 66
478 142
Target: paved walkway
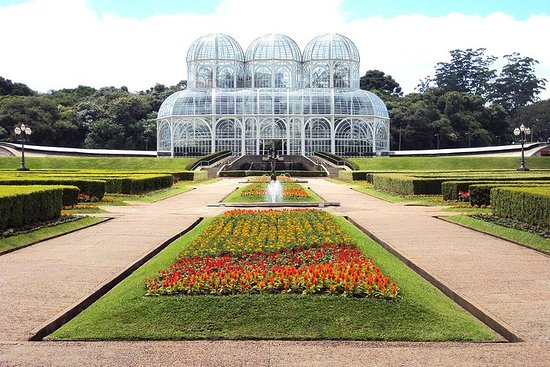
510 283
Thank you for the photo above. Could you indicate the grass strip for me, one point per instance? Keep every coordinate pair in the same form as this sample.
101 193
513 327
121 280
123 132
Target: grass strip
531 240
11 243
423 313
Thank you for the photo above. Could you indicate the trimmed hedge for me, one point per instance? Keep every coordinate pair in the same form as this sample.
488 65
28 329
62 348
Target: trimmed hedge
242 173
450 189
480 194
92 187
137 185
21 205
526 204
408 185
190 164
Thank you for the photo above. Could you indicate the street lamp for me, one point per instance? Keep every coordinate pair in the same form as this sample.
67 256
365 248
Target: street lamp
522 132
469 139
437 140
22 132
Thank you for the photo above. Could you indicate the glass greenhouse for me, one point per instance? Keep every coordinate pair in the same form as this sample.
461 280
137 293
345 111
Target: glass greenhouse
243 101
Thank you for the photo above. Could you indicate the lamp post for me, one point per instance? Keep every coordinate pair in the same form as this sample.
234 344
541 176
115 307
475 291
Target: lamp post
22 132
469 139
522 132
437 140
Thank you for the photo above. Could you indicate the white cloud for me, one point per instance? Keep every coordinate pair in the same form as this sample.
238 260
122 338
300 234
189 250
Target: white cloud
53 44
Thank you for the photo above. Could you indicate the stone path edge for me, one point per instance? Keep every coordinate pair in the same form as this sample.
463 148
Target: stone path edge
493 235
52 237
65 316
496 326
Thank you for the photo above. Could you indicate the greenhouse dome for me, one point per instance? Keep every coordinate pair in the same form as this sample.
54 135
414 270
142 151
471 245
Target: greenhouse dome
241 102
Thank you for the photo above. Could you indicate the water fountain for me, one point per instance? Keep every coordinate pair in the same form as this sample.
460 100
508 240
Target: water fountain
274 192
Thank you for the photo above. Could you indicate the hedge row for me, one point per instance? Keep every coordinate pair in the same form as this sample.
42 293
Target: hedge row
21 205
447 184
450 189
92 187
480 194
242 173
525 204
137 185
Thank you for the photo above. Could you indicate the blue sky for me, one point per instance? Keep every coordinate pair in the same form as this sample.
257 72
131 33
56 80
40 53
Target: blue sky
353 9
138 43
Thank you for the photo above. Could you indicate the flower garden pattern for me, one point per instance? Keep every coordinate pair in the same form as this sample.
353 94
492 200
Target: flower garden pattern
290 190
289 251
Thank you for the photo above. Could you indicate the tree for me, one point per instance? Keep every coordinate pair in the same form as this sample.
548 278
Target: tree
468 72
376 80
537 117
8 88
517 84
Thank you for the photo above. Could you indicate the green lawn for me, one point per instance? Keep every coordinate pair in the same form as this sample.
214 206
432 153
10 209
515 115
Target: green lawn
151 164
41 234
525 238
237 197
447 163
423 313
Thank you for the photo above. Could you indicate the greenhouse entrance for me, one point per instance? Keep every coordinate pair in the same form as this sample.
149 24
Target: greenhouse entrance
266 144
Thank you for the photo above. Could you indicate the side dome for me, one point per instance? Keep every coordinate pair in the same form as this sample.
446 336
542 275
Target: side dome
215 46
331 46
331 61
273 47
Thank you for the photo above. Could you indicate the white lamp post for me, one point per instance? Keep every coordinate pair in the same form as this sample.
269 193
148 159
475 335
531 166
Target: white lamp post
22 132
522 132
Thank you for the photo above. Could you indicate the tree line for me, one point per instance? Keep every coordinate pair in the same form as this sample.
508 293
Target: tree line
467 102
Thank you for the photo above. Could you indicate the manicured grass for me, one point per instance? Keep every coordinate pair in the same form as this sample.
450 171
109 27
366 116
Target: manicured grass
236 197
525 238
97 163
447 163
423 313
41 234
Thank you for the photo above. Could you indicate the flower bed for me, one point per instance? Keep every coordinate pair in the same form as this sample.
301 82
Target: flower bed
290 251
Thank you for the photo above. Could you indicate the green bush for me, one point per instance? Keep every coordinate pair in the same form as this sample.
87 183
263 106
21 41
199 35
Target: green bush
450 189
137 184
407 185
480 194
92 187
526 204
69 195
21 205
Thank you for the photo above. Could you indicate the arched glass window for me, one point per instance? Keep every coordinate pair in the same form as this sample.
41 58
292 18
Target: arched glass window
262 78
204 77
320 77
228 135
353 137
341 75
226 77
317 136
283 77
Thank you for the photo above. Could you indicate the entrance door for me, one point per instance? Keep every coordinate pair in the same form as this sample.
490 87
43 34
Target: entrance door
277 144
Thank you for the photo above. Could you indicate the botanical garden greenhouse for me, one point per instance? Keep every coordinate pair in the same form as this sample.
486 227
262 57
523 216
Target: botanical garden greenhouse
273 94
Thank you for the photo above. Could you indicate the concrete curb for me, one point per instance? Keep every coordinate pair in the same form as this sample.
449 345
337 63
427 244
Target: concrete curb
59 320
468 306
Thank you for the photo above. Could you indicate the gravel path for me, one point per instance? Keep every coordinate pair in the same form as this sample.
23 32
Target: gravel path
510 283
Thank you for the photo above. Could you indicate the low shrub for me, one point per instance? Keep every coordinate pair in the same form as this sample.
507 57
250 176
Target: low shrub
480 194
527 204
92 187
21 205
137 184
241 173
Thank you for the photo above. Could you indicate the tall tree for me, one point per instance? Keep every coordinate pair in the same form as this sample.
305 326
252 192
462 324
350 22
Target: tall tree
517 84
537 117
376 80
9 88
469 71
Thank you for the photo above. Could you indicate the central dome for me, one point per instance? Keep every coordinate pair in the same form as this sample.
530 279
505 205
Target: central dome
273 47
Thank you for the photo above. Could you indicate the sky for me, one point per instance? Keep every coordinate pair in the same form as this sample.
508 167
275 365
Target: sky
55 44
